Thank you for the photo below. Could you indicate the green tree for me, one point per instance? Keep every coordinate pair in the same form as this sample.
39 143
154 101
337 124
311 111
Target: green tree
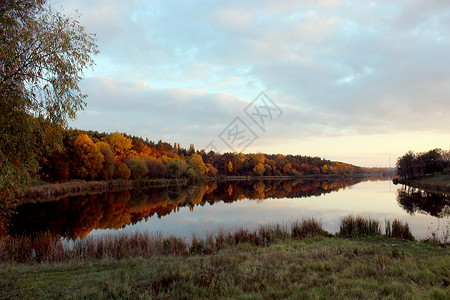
42 57
197 164
137 167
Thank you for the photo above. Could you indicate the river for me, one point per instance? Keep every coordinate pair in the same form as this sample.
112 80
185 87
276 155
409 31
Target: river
210 207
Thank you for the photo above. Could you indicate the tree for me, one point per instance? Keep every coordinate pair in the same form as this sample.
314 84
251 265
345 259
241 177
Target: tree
138 167
122 172
107 171
88 160
405 165
121 146
156 168
42 55
197 164
259 169
174 169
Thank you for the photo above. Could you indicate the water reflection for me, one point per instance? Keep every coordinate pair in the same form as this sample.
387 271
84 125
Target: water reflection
418 201
75 217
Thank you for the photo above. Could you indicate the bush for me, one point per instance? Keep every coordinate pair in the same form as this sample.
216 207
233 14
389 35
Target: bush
156 168
138 168
122 172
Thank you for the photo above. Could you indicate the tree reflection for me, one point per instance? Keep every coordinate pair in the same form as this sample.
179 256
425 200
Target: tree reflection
418 201
75 217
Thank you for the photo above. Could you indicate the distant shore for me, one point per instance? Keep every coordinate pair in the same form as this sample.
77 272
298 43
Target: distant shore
437 183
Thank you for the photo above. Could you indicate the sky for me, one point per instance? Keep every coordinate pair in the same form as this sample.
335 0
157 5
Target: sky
357 81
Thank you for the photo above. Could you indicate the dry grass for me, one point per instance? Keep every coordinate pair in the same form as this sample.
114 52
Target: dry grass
46 247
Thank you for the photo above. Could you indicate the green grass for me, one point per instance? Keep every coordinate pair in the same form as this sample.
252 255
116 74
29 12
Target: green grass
314 267
438 182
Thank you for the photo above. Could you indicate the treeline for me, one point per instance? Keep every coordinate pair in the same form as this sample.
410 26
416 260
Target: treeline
413 165
90 155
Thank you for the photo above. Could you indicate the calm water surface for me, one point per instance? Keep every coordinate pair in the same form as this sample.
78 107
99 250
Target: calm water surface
227 205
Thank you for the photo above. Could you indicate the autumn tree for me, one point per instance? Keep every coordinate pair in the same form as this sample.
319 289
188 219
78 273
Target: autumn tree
122 171
197 164
107 170
259 169
121 146
210 170
42 57
88 160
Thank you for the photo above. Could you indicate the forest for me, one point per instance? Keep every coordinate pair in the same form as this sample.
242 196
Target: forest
90 155
413 165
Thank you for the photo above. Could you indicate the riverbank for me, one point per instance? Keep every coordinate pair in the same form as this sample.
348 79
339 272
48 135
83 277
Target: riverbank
437 183
313 267
54 191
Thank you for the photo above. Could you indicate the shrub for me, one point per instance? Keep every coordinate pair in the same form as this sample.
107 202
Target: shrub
122 172
138 168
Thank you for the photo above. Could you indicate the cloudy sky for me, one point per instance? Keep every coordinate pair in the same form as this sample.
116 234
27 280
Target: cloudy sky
356 81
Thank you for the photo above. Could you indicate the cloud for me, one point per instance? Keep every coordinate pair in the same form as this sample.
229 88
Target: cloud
335 67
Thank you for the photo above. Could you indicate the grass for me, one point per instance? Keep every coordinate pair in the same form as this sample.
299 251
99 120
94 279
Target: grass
313 267
357 226
437 183
288 261
46 247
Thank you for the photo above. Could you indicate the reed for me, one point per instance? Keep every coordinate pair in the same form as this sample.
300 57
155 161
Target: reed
357 226
47 247
307 228
398 229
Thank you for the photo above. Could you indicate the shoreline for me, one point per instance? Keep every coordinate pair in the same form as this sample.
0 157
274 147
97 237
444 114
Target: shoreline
434 183
56 191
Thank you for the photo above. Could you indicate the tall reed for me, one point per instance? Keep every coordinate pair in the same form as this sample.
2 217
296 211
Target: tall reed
46 247
357 226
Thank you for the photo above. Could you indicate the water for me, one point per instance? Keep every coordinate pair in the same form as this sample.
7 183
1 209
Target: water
228 205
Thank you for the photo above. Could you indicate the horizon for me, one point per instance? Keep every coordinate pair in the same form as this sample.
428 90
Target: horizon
347 81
